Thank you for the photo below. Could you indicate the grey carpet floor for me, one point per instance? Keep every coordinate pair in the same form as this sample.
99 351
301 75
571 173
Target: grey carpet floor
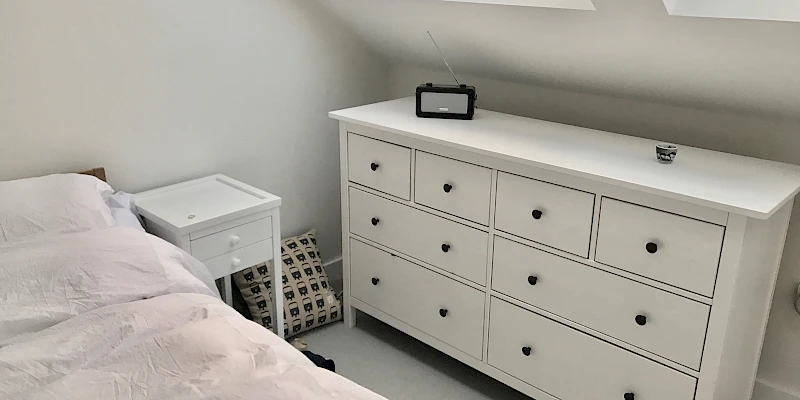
400 367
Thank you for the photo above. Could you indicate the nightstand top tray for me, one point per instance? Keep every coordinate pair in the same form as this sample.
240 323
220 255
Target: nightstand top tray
190 206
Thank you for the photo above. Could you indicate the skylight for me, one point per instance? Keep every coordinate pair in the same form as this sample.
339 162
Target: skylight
773 10
566 4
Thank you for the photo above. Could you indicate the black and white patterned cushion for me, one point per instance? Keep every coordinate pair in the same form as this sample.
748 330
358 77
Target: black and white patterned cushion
308 299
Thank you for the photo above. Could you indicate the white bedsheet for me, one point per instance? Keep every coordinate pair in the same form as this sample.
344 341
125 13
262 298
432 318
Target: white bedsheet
179 346
47 280
115 314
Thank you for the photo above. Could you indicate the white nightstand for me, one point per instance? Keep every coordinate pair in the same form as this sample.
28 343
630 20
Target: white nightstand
222 222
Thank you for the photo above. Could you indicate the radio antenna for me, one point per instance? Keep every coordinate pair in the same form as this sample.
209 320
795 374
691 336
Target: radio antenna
443 59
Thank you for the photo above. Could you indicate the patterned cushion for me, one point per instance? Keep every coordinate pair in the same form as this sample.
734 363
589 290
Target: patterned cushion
308 299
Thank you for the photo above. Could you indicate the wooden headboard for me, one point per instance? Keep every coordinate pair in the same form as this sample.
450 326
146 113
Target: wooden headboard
100 173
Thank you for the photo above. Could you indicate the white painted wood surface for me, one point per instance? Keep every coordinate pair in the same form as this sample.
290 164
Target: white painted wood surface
603 289
690 210
453 352
232 239
687 251
572 365
227 224
436 305
747 186
597 334
420 235
469 187
380 165
745 288
675 327
239 259
566 214
204 202
348 312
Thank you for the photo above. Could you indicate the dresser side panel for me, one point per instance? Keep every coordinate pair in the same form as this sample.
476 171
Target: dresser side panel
732 354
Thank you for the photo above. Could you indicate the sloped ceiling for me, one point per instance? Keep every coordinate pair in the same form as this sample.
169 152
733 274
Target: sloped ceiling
627 48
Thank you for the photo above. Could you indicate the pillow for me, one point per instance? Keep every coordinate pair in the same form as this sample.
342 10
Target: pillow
308 302
123 208
52 203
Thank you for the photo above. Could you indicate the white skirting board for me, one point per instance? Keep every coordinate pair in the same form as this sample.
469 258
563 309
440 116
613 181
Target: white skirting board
767 391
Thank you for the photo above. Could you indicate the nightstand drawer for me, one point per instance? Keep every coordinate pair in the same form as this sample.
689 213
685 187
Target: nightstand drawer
232 239
239 259
379 165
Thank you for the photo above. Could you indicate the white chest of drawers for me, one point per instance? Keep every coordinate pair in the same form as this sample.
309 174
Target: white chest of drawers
565 262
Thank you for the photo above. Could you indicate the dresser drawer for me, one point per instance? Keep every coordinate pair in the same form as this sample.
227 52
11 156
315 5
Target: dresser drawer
379 165
455 187
572 365
231 239
439 306
443 243
675 250
239 259
545 213
673 327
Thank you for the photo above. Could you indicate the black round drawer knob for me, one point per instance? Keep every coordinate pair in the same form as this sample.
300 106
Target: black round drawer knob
375 221
443 312
651 247
641 320
447 187
533 280
629 396
526 350
445 247
375 281
374 166
537 214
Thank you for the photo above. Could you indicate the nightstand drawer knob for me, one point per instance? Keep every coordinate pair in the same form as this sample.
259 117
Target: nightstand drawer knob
235 240
236 262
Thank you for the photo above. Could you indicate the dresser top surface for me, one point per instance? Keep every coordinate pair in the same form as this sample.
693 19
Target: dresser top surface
742 185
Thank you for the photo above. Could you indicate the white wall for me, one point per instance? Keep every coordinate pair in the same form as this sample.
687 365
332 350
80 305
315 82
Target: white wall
738 133
161 91
630 48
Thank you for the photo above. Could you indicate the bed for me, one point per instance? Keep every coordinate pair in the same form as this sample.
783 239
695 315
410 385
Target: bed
93 310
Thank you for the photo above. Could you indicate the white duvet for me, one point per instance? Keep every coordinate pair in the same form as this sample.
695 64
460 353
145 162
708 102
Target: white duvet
115 314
